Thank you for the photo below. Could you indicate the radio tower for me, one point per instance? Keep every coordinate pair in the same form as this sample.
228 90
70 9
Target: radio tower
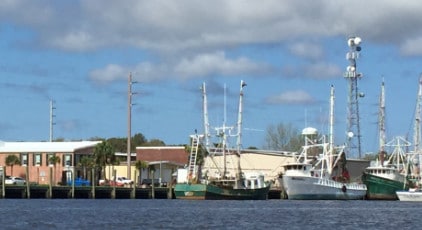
353 128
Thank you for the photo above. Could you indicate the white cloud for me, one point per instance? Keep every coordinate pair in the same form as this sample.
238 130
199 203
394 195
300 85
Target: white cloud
201 65
216 63
196 25
412 47
109 73
307 50
291 97
322 70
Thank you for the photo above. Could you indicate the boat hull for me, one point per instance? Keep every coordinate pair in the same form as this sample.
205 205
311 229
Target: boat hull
213 192
380 188
312 188
415 196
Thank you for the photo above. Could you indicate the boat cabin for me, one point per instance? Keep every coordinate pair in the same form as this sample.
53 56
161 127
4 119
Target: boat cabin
298 169
254 180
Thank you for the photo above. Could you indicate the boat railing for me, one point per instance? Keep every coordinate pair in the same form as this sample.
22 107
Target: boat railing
336 184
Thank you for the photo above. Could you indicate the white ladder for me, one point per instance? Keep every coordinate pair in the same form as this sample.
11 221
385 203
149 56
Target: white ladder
195 142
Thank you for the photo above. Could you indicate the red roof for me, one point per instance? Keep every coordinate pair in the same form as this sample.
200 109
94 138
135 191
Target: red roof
163 153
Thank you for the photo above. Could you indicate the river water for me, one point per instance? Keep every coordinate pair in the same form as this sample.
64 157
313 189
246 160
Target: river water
180 214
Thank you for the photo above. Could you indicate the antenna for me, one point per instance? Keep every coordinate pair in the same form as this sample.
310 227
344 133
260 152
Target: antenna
52 123
225 107
353 127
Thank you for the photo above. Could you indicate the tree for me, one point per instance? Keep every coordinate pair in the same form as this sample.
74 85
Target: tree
12 160
54 160
141 165
103 155
283 137
137 140
154 142
86 162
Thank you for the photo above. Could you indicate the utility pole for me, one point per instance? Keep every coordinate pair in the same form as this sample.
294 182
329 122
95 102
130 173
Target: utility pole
129 125
52 123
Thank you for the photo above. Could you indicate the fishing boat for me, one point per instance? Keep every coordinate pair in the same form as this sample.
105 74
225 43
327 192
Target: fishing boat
414 159
221 181
320 172
387 176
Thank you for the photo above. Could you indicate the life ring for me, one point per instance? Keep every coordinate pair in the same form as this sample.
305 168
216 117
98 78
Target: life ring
344 189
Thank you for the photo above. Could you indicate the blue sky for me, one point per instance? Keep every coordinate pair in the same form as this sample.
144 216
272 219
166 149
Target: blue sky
80 53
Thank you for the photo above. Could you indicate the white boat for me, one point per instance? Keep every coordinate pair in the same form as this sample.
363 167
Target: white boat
323 177
410 195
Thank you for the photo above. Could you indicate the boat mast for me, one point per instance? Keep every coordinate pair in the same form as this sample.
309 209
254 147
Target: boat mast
206 122
417 131
239 128
239 118
331 141
381 123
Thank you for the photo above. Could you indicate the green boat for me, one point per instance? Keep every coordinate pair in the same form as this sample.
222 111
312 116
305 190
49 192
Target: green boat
386 177
220 191
383 182
218 176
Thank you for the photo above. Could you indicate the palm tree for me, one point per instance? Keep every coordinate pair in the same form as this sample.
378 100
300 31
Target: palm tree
86 162
12 160
103 155
141 165
54 160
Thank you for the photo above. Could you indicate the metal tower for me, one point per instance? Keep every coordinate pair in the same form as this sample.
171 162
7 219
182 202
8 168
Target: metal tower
353 127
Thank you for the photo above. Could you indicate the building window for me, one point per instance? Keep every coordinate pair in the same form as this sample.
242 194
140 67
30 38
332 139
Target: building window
48 156
24 159
67 160
37 159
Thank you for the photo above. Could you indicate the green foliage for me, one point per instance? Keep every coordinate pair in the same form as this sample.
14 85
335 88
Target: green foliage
86 162
103 155
12 160
120 144
54 160
154 142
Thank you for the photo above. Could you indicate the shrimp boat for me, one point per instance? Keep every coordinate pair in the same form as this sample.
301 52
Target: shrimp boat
220 181
414 159
386 177
320 172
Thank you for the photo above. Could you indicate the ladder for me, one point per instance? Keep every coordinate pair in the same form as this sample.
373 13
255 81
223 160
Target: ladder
195 142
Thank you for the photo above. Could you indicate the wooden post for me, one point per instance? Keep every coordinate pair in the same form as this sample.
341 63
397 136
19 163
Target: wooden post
133 192
152 185
113 192
3 188
50 187
93 182
28 190
73 182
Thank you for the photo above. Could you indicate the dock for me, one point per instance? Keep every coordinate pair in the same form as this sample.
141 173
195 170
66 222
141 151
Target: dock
94 192
85 192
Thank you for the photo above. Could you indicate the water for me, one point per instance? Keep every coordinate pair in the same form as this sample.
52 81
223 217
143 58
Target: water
179 214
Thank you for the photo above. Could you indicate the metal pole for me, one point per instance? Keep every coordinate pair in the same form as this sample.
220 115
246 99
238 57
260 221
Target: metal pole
51 119
129 119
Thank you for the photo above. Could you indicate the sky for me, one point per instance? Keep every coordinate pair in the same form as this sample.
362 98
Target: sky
80 53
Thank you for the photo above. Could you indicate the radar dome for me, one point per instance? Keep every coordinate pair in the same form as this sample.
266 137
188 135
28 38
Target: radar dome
309 131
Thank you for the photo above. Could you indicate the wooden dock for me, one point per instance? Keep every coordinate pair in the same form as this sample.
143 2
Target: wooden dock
95 192
85 192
